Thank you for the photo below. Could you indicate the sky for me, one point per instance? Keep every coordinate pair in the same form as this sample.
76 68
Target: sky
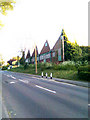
35 21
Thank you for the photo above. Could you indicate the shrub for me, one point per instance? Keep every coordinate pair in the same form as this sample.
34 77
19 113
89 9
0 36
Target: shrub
48 65
56 66
25 66
32 65
84 72
4 68
43 66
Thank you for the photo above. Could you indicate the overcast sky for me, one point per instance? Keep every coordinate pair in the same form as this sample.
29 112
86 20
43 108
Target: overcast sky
35 21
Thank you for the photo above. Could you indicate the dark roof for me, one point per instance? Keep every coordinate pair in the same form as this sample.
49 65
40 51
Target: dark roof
45 48
28 54
57 44
33 54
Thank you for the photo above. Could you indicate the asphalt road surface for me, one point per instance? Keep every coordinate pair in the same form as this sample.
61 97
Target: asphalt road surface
26 96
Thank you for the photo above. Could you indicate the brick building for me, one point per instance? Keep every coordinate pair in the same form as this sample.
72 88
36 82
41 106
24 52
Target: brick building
55 55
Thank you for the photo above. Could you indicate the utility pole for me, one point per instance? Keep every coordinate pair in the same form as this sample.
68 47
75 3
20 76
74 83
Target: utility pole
17 61
35 59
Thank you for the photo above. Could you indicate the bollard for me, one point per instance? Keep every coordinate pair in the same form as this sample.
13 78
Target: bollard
42 74
51 75
46 75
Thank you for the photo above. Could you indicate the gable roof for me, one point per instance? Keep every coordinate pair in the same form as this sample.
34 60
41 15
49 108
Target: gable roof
45 48
28 54
57 44
33 54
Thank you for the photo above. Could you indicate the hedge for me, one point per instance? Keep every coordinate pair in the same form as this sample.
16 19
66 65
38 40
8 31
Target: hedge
84 72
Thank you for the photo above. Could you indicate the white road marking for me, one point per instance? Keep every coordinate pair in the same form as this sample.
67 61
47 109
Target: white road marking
25 81
88 104
13 77
8 75
63 83
12 82
45 89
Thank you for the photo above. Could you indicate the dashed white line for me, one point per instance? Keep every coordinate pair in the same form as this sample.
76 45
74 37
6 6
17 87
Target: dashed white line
45 89
25 81
13 77
89 105
12 82
8 75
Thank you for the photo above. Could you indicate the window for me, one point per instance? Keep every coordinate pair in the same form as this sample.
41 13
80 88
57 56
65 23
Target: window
53 54
46 44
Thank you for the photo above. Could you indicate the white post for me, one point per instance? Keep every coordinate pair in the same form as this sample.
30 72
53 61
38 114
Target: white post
51 75
46 75
42 74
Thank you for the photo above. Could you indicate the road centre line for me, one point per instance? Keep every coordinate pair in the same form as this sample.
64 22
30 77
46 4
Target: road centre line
45 89
25 81
12 82
89 105
13 77
8 76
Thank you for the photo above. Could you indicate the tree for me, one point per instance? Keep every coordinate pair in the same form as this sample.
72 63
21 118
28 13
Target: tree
1 61
71 50
22 60
10 61
13 60
6 5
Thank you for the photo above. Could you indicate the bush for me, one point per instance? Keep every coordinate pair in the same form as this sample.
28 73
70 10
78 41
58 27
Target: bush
32 65
67 65
43 66
56 66
25 66
4 68
84 72
48 65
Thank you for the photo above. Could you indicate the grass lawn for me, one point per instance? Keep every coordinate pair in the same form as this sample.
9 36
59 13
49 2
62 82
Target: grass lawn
63 74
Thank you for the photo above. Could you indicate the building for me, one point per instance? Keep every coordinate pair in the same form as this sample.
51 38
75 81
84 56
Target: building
28 57
45 54
55 55
32 59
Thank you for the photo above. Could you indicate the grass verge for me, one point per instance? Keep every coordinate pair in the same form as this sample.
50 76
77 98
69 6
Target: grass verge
63 74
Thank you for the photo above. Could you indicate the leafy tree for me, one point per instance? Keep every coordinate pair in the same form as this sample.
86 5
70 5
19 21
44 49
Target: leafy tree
1 60
14 60
10 61
22 60
71 50
6 5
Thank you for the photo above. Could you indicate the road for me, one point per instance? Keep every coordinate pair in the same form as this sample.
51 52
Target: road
26 96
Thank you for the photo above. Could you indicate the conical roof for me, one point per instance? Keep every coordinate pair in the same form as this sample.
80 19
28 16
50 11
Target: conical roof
28 54
33 54
57 44
45 48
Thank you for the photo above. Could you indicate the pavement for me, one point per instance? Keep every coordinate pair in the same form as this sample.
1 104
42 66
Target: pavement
30 96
